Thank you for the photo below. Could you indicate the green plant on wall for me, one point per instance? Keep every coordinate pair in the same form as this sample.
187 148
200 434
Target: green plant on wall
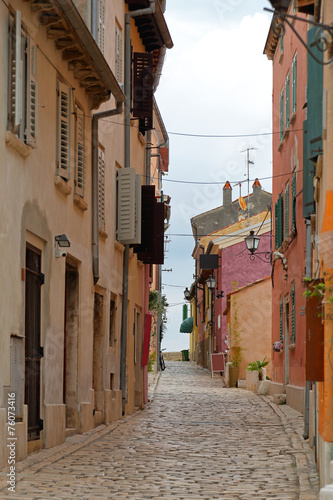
158 304
151 361
235 331
321 289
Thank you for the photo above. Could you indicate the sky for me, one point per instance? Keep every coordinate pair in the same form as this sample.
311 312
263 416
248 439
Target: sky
215 81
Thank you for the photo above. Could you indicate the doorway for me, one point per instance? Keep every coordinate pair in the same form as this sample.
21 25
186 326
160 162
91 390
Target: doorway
70 376
286 344
98 359
33 350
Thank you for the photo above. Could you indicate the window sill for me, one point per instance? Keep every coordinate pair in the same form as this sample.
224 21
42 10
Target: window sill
119 246
291 347
15 143
280 147
281 57
286 133
102 234
62 185
80 203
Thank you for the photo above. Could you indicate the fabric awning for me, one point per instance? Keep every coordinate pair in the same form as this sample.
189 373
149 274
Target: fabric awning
186 326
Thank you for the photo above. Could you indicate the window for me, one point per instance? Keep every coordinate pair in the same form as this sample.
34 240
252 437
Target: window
80 153
112 325
119 58
281 114
63 130
286 212
293 315
279 221
22 102
293 201
101 188
294 84
287 101
101 25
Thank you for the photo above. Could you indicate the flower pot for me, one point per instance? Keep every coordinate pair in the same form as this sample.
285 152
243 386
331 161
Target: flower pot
233 376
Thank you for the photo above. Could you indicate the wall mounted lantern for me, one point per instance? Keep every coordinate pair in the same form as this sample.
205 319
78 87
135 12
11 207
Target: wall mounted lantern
61 242
324 35
252 243
211 282
187 294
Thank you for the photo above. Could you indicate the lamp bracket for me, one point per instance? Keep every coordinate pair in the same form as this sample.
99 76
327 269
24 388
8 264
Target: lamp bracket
321 42
267 256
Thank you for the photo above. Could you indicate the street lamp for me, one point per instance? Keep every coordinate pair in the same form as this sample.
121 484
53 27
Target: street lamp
211 283
252 242
280 18
187 294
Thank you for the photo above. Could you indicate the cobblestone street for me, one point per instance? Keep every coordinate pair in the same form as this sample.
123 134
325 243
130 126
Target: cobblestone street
194 440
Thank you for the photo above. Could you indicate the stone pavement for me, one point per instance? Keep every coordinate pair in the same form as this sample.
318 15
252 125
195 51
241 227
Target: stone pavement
195 440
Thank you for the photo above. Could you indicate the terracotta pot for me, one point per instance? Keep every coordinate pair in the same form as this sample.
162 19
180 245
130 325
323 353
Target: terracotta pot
233 376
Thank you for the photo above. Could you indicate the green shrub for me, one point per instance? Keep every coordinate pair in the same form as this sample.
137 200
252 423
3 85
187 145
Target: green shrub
151 361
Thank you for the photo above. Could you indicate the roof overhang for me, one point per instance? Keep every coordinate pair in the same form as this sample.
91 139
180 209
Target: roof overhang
152 28
66 27
186 326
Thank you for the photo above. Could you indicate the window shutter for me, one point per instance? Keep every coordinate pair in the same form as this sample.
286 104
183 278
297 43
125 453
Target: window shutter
101 189
286 212
101 25
17 372
80 170
143 90
281 115
276 224
293 199
281 320
63 130
279 221
129 206
31 93
281 43
287 101
119 50
294 84
293 315
17 73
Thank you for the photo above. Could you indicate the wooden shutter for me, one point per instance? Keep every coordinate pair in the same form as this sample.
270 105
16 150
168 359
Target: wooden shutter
143 90
101 188
101 25
129 206
281 114
293 315
286 212
293 200
294 84
281 320
31 93
63 130
17 355
15 72
287 101
119 59
80 170
279 221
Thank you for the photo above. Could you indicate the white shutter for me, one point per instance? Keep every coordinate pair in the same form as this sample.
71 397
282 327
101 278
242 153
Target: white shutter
80 170
129 206
17 89
101 189
31 93
101 25
63 130
119 49
17 373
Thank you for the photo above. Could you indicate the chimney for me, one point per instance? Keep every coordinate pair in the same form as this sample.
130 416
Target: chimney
227 194
256 186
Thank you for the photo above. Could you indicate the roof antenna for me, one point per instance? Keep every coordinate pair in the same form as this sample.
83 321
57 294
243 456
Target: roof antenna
248 162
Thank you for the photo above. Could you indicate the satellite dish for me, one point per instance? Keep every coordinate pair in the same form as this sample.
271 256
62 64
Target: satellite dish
242 203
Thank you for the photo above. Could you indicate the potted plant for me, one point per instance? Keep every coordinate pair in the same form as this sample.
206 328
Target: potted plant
258 366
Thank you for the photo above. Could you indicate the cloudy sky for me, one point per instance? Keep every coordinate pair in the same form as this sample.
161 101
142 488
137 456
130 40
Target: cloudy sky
215 81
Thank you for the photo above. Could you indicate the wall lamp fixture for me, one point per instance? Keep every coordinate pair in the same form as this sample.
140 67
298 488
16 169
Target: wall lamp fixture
61 242
211 282
219 294
187 294
252 243
324 34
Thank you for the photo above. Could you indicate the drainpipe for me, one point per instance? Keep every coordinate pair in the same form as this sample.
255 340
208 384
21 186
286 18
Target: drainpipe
94 182
127 91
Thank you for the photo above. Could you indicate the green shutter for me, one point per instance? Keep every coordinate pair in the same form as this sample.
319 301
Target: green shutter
286 212
293 200
293 315
281 114
281 43
287 101
279 221
281 320
294 84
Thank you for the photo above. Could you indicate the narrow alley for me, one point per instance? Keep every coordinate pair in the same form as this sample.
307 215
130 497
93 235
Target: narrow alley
194 440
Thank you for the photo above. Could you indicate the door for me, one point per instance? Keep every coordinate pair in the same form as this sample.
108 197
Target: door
286 342
33 350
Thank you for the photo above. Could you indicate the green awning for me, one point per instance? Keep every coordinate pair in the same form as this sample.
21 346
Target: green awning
186 326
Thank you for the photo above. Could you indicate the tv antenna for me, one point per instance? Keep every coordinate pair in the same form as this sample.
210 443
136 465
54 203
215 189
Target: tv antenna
248 163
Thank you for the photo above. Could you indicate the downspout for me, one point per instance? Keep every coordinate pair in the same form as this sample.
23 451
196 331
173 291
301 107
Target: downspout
127 91
94 183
